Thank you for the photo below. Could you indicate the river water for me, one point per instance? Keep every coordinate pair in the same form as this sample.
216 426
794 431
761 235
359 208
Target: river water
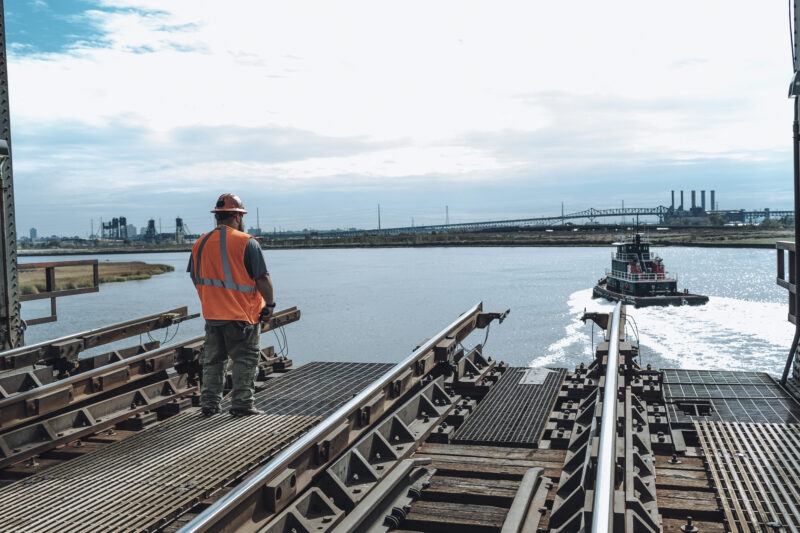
377 304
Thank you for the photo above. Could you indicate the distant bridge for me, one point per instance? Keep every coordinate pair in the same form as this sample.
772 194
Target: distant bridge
590 215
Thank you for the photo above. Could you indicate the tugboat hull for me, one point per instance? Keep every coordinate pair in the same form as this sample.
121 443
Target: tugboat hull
678 298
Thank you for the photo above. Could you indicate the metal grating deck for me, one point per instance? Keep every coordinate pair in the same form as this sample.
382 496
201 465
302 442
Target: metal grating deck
755 469
142 482
724 396
317 389
515 410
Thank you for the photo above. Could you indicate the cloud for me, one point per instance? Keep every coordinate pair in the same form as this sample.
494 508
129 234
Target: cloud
185 96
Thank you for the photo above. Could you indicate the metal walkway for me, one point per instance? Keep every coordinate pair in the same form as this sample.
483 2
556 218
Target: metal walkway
145 481
142 482
722 396
515 410
317 389
756 471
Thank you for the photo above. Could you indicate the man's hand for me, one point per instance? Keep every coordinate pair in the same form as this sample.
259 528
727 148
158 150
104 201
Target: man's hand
266 313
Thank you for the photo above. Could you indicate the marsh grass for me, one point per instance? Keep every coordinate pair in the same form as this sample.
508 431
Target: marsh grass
76 277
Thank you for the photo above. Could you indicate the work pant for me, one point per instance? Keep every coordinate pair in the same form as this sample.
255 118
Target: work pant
242 345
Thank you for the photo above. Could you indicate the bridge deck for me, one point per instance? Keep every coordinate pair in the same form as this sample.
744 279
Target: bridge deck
144 481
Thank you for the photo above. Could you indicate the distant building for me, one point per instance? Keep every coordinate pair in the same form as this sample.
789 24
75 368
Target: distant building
131 230
142 230
33 234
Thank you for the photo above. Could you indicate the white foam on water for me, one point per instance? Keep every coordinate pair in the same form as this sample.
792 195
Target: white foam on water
724 334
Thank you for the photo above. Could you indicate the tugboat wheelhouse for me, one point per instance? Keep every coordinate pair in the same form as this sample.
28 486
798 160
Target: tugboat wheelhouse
635 271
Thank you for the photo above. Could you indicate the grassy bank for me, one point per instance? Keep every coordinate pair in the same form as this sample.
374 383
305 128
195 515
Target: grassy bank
75 277
703 236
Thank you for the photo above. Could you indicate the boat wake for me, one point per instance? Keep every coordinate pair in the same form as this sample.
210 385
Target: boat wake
724 334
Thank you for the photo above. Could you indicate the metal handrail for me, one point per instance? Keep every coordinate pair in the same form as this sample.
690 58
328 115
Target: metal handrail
643 276
603 508
283 460
627 257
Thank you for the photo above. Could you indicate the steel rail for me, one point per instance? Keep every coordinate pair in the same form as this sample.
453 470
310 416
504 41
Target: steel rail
217 511
69 346
35 403
603 505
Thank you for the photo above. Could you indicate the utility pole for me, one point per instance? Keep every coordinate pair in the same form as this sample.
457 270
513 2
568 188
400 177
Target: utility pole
159 225
91 233
379 216
412 222
562 213
258 222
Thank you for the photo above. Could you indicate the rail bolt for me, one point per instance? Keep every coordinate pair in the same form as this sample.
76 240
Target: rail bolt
689 528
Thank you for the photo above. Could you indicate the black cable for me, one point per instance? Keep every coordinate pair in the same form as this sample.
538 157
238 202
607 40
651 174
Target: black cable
486 337
177 328
284 346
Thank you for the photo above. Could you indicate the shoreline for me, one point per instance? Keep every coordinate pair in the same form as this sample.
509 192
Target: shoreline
335 246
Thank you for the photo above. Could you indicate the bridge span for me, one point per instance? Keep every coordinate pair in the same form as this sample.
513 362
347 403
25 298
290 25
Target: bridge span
588 215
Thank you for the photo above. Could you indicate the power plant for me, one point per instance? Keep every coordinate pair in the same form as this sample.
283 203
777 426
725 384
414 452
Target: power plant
696 210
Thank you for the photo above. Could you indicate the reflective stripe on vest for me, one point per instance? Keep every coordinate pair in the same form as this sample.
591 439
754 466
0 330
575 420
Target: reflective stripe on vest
219 273
226 283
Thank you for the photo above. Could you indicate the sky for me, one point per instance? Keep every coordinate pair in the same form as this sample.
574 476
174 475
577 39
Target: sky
315 113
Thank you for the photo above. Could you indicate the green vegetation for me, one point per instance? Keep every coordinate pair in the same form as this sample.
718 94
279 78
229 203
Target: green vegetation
716 220
76 277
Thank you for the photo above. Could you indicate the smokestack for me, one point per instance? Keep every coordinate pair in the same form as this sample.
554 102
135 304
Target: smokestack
713 205
681 200
673 200
694 202
703 200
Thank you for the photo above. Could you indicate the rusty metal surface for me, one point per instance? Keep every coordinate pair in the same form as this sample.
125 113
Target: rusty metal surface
515 410
34 439
68 347
756 472
317 388
252 503
12 383
141 483
34 404
362 478
19 381
724 396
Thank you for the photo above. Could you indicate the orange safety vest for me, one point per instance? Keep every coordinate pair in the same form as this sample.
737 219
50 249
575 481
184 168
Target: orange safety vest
226 290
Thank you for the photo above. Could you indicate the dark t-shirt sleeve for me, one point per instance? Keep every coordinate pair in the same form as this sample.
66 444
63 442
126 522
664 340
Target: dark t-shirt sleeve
190 267
254 260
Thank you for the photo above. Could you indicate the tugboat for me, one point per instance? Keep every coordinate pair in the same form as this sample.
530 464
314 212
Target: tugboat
639 279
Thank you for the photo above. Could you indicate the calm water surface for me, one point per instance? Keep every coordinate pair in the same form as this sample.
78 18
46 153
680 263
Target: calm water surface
377 304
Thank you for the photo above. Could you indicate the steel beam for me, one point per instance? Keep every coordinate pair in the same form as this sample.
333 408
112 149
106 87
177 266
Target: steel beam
359 483
11 330
36 403
68 347
249 506
19 444
12 383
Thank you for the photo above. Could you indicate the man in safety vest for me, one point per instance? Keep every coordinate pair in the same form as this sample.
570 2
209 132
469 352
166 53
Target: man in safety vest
231 278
